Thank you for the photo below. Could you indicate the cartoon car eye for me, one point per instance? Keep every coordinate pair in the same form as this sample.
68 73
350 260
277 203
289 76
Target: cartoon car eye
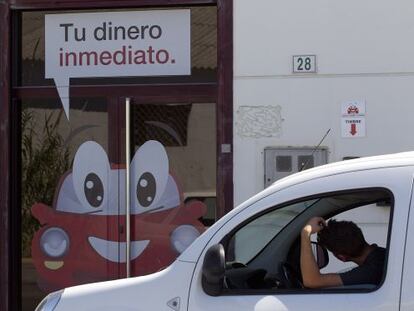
149 175
90 172
54 242
146 189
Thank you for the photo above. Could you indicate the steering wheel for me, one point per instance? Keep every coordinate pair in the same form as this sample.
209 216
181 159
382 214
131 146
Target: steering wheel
290 276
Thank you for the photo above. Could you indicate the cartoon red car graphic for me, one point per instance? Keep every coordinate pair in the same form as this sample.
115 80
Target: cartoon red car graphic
83 236
353 110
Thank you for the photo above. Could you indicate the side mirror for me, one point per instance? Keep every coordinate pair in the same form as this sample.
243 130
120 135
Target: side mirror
213 270
321 255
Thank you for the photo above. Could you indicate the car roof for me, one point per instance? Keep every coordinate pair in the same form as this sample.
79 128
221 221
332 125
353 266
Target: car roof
364 163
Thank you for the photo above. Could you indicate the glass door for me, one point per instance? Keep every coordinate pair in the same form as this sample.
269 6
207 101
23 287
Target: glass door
72 204
172 179
120 189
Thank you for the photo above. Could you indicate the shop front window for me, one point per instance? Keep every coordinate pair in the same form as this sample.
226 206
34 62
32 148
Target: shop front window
75 224
73 214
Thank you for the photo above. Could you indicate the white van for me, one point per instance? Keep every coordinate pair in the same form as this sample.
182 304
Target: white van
249 259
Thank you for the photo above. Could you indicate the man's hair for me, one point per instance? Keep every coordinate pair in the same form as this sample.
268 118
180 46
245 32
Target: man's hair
342 237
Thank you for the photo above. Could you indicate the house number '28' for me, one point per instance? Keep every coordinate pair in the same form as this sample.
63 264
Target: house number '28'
304 63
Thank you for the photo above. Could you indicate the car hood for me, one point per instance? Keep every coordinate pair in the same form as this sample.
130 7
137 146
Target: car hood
167 289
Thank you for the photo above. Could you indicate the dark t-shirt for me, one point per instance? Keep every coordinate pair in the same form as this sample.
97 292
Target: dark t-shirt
370 272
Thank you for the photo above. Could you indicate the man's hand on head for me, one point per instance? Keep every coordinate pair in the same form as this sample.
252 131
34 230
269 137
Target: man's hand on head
314 225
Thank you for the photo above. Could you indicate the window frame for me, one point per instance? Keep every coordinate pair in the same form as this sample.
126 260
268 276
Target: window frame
294 291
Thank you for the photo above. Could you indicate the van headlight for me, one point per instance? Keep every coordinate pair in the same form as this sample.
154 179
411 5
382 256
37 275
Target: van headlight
50 302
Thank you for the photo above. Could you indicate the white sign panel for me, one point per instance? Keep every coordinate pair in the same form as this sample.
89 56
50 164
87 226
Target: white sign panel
353 118
116 44
353 108
353 127
304 64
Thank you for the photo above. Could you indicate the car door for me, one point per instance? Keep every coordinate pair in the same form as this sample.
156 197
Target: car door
407 298
395 180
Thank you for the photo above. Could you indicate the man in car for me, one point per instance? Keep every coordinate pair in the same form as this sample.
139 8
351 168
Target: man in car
346 241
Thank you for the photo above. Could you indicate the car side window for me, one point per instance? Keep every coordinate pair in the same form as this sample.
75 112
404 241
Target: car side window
373 219
264 252
262 230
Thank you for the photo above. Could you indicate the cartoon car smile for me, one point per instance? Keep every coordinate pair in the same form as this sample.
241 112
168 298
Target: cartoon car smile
83 236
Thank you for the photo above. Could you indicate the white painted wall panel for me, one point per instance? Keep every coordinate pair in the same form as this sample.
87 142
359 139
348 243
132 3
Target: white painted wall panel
349 37
309 107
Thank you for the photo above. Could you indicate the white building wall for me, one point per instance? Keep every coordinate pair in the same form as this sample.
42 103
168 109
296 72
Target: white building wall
365 51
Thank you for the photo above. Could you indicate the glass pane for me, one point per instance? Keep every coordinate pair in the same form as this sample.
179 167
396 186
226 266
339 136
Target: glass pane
283 163
173 179
166 124
262 230
203 51
70 203
305 162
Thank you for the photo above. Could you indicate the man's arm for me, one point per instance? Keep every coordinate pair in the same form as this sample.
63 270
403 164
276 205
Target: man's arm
311 276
